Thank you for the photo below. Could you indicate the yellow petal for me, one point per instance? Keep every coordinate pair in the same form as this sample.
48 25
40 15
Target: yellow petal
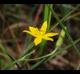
44 27
29 33
37 40
34 30
47 38
51 34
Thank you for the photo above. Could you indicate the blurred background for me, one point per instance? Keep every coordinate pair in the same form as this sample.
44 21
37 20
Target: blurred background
14 18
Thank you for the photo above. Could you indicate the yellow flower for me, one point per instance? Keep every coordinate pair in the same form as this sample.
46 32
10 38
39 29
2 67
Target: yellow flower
40 34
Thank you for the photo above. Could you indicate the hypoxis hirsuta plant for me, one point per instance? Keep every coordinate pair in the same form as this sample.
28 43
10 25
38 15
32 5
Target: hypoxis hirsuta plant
40 34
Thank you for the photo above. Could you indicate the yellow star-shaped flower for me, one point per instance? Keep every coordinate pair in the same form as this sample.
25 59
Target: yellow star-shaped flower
40 34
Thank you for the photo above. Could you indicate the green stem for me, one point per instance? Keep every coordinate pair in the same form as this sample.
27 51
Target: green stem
47 17
67 33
